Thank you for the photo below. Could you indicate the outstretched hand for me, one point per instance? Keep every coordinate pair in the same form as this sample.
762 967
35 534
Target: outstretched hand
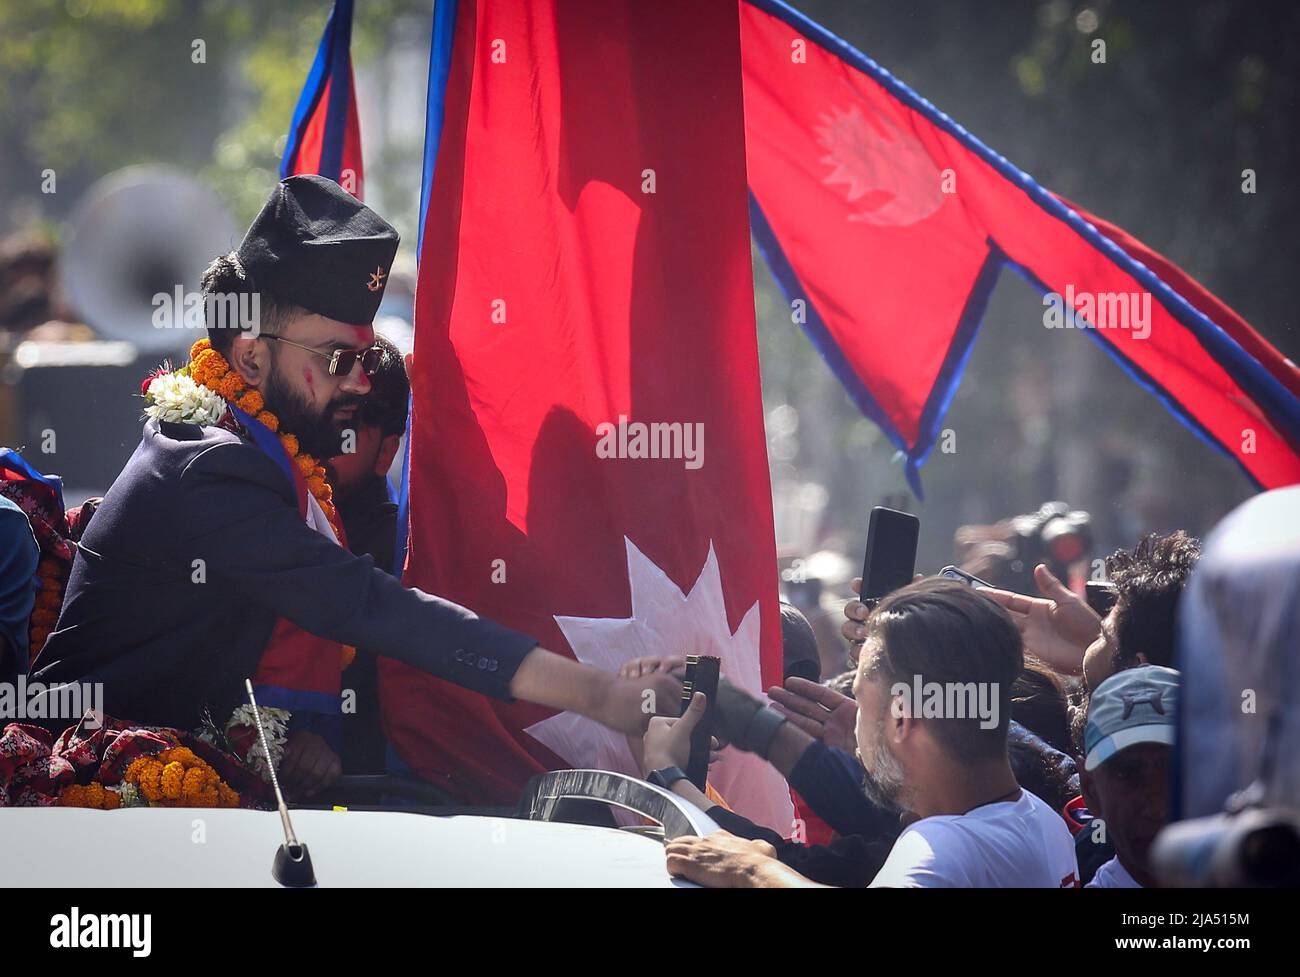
1057 627
819 711
668 741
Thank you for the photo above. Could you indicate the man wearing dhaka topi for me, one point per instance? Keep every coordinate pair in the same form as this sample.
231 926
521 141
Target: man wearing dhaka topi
218 555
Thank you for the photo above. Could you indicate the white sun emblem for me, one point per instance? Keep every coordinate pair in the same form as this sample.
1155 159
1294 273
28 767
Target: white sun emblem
879 158
665 621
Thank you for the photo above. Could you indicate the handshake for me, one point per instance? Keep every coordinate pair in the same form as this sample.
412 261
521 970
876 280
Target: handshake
743 720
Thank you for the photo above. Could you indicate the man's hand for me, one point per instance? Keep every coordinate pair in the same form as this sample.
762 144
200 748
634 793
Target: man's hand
820 712
624 704
668 741
723 861
856 612
308 765
1057 627
650 664
628 704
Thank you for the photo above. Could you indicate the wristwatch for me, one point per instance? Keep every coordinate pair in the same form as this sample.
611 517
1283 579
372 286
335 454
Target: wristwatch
666 777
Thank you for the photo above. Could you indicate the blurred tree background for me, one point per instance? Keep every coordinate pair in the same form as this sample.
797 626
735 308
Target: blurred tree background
1192 93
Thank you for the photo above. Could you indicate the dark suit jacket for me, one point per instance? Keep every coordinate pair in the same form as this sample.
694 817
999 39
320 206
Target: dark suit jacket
168 644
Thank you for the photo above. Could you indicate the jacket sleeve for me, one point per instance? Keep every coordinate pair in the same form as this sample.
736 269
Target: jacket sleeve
243 523
848 862
831 782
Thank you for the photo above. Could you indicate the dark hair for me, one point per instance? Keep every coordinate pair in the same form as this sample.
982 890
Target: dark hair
943 631
390 390
1039 703
842 683
226 277
798 645
1149 581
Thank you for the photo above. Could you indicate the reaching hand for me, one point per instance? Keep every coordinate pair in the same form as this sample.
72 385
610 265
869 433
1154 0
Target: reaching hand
649 664
853 629
308 765
721 860
820 712
628 703
668 741
1057 627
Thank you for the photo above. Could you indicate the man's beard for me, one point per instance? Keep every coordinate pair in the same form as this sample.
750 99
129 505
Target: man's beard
318 433
883 778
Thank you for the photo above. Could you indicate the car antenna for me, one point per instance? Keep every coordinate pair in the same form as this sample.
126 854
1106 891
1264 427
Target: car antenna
292 865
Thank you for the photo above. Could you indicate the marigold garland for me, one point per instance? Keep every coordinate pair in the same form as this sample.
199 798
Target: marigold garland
49 599
94 795
209 369
178 778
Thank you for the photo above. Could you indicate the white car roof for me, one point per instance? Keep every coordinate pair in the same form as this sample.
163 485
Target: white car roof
191 847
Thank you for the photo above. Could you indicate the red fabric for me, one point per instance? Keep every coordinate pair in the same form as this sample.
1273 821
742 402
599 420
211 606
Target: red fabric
308 157
1281 368
886 219
815 830
35 768
617 302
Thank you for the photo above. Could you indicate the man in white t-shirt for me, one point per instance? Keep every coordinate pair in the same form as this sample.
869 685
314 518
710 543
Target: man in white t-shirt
934 699
1127 746
1007 844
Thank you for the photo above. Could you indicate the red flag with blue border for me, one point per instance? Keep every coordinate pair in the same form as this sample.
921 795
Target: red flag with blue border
584 274
325 135
889 224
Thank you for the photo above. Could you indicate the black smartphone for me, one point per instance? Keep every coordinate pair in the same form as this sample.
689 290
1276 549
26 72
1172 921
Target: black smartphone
957 573
702 673
890 562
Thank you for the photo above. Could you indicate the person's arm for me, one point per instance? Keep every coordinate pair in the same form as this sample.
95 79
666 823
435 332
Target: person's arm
1058 626
248 533
829 780
723 861
562 683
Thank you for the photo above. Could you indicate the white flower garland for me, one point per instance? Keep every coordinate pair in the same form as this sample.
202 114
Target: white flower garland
176 398
275 722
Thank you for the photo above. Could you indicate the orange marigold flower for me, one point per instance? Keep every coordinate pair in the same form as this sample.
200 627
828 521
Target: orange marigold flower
227 796
173 775
290 444
269 419
149 780
182 755
199 346
74 795
136 767
251 402
208 363
195 781
112 800
207 797
230 386
316 485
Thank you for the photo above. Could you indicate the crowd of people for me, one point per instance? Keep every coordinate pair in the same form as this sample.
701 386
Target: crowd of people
982 738
1063 782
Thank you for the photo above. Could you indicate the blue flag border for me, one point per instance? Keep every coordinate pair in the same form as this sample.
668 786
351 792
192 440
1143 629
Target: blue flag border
1282 408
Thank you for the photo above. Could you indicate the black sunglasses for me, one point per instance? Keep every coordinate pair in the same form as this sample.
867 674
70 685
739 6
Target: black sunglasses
343 360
